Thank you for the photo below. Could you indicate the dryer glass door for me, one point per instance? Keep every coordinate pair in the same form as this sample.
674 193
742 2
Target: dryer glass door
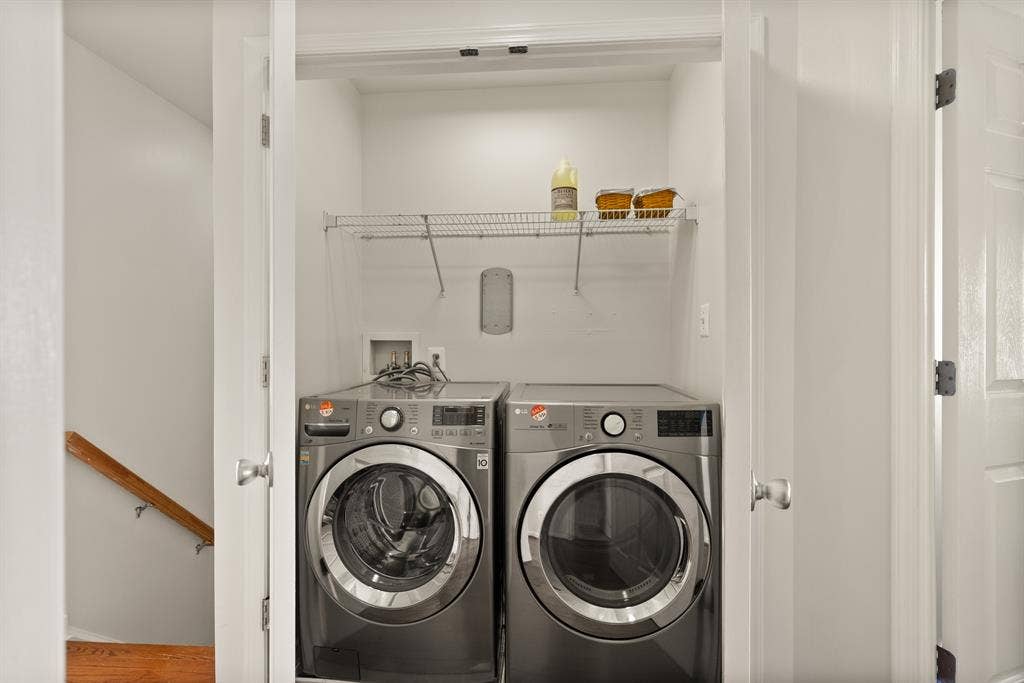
613 540
615 545
393 533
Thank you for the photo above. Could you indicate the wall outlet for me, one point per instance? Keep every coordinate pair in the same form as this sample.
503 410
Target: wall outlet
704 320
442 360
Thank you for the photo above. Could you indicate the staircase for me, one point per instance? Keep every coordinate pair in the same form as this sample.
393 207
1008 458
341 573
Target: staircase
94 662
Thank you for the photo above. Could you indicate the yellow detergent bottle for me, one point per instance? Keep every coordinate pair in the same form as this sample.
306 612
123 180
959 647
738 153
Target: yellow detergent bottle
564 188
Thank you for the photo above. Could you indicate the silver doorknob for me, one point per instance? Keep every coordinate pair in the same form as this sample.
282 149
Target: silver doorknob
247 470
776 491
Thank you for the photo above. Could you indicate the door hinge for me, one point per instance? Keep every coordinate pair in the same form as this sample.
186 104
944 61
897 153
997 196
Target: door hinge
266 613
945 378
265 130
265 371
945 88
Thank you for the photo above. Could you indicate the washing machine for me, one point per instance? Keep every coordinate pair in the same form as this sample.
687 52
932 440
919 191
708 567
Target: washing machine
613 552
396 538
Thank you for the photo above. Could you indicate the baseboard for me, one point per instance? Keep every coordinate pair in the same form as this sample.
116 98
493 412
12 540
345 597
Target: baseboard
75 633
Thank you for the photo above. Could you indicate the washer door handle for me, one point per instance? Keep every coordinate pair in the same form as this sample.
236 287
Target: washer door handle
247 470
778 492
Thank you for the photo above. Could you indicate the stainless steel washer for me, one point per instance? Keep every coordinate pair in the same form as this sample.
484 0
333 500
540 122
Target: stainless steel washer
612 504
396 566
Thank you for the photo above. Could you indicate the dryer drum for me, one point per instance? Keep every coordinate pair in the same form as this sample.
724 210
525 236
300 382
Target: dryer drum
614 544
613 540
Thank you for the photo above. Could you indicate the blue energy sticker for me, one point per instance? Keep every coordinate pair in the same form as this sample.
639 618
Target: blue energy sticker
303 456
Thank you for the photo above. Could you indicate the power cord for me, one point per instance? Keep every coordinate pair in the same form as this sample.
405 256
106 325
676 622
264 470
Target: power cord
416 377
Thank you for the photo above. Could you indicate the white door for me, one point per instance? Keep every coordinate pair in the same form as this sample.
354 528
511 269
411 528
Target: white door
251 330
981 574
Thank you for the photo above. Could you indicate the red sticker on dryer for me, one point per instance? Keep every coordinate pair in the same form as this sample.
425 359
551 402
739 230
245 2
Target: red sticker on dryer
539 413
326 408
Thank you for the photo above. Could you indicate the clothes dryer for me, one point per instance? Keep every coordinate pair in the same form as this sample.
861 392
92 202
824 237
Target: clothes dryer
613 552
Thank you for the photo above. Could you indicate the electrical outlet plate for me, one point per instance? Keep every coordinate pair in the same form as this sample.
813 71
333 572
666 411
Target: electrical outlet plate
704 320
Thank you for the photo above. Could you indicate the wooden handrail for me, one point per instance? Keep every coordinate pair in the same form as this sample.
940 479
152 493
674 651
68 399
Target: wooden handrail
91 455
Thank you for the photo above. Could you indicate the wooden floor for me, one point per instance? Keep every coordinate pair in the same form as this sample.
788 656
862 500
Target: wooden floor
130 663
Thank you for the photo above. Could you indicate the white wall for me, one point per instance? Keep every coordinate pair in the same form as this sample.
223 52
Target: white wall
695 167
495 149
31 349
139 360
328 139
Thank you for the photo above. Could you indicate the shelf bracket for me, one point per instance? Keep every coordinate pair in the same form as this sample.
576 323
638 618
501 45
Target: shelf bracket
433 252
579 249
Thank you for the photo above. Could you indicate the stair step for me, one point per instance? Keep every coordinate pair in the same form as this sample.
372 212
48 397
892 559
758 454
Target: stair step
138 663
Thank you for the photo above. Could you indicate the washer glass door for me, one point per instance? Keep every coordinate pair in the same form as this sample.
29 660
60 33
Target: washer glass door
615 545
393 533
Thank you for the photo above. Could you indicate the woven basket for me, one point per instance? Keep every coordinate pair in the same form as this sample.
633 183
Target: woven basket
654 202
613 204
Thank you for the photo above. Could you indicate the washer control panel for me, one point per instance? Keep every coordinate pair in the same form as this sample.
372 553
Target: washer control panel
326 421
613 424
454 425
391 419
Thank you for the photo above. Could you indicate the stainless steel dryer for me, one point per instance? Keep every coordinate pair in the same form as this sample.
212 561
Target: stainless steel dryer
612 504
396 550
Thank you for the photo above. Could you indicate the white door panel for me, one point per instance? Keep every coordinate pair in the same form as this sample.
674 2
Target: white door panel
241 336
983 426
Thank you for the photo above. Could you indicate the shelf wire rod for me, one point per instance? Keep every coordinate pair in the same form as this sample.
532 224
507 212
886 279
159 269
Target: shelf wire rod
579 249
433 252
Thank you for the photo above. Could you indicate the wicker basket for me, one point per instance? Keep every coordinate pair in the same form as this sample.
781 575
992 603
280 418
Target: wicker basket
654 202
613 204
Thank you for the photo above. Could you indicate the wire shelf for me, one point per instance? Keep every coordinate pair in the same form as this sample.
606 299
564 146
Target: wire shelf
431 226
510 224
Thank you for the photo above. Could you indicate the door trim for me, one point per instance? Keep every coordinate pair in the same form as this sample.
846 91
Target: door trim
912 590
742 216
282 341
32 342
639 40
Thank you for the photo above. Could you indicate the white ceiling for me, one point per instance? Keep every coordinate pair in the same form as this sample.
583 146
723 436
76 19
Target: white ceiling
164 44
508 79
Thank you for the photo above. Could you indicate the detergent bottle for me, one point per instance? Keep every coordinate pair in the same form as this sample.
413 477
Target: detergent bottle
564 188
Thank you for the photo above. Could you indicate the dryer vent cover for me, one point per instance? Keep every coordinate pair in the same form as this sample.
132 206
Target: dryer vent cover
496 301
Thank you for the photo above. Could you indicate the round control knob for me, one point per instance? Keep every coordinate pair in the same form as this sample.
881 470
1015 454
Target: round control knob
613 424
391 419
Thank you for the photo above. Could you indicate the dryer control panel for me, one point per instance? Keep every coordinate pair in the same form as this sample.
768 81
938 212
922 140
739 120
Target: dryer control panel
545 427
641 424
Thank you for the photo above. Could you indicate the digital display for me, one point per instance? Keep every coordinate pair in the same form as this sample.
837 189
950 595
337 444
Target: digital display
459 416
685 423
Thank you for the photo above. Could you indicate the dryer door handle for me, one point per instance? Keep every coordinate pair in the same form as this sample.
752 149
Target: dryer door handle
778 492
